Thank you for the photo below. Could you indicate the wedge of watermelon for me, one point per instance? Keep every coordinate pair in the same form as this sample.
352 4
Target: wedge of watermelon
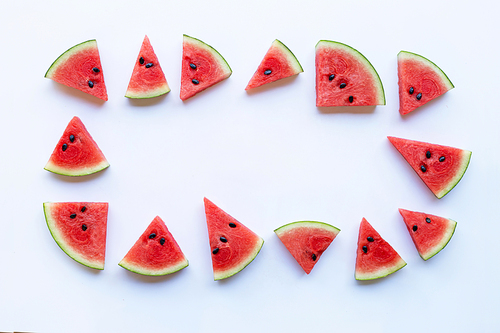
420 81
278 63
202 67
440 167
148 79
375 258
155 253
79 228
233 245
430 233
80 68
345 77
76 153
307 240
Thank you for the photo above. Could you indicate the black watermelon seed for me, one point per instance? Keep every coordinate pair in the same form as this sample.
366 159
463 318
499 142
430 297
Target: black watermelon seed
193 66
153 235
96 70
162 241
423 168
411 90
141 60
215 250
223 239
149 65
314 257
91 84
364 248
415 228
195 81
370 239
331 77
428 220
419 96
84 227
71 138
72 216
64 147
267 72
83 209
428 154
232 225
351 99
441 159
343 85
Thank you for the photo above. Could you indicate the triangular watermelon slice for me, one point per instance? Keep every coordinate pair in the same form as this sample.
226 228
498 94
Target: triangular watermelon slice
202 67
76 153
375 258
307 240
79 228
148 79
344 77
80 68
278 63
420 81
440 167
429 233
233 245
155 253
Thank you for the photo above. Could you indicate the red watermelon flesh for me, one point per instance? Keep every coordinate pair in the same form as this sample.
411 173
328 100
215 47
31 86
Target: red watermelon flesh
345 77
202 67
420 81
375 258
430 233
233 245
278 63
148 79
440 167
155 253
76 153
80 68
79 228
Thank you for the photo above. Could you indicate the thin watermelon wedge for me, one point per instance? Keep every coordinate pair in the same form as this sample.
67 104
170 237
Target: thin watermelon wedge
76 153
278 63
80 68
440 167
233 245
202 67
430 233
79 228
375 258
307 240
155 253
148 79
344 77
420 81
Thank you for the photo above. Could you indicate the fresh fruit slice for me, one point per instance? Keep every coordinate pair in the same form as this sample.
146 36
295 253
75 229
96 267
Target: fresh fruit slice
278 63
375 258
80 68
79 228
155 253
76 153
429 233
345 77
307 240
202 67
233 245
440 167
420 81
147 79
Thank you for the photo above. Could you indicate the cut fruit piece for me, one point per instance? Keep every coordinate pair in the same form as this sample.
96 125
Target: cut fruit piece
307 240
80 68
420 81
202 67
79 228
440 167
233 245
278 63
429 233
344 77
147 79
155 253
375 258
76 153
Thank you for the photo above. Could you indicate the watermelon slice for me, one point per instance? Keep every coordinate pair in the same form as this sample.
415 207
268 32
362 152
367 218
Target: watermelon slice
80 68
440 167
375 258
307 240
202 67
79 228
155 253
429 233
345 77
278 63
147 79
233 245
76 153
420 81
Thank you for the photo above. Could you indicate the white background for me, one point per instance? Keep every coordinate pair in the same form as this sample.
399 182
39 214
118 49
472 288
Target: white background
267 157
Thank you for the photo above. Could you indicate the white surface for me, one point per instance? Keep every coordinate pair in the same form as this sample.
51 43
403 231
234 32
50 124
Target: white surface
267 157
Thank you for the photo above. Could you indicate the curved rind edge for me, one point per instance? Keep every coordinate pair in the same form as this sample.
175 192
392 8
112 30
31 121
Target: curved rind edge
250 258
76 172
425 60
149 94
315 224
442 245
381 273
459 175
67 54
291 56
212 50
139 270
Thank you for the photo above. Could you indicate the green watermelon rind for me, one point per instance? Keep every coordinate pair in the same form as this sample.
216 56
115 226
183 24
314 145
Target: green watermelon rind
383 272
89 44
200 44
219 275
455 180
291 58
368 65
309 224
141 270
404 55
149 94
72 172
